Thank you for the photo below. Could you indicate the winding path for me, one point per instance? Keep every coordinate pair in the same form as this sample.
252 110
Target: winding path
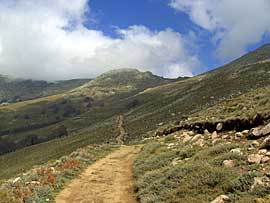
109 180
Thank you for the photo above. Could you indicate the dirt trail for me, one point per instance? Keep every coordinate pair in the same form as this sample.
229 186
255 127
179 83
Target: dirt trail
122 132
109 180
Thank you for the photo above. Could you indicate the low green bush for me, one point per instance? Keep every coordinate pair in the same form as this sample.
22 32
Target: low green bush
198 177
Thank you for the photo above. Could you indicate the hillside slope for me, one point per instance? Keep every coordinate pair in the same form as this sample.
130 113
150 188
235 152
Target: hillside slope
88 114
176 101
15 90
36 121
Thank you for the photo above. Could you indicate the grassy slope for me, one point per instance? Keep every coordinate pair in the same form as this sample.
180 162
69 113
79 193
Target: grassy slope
24 159
12 90
244 107
81 108
176 101
168 102
198 176
94 125
51 177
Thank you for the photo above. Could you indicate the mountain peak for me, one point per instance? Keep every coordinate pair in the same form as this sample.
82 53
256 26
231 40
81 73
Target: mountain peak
120 71
122 80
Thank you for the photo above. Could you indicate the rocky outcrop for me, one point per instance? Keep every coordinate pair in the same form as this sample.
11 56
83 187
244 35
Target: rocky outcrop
215 135
266 143
237 124
221 199
254 158
229 163
257 133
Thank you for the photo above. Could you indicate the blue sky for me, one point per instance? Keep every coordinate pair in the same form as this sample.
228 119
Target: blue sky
154 14
56 39
157 15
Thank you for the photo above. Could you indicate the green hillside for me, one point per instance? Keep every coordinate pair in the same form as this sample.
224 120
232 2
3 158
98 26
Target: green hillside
36 121
88 114
15 90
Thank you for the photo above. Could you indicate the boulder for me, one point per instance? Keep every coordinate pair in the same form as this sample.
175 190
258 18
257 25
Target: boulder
245 132
215 141
206 132
170 145
257 181
256 133
238 135
191 133
266 143
265 159
215 135
255 144
219 126
236 151
225 137
221 199
229 163
255 158
176 161
265 130
262 152
261 181
16 180
196 138
199 142
187 138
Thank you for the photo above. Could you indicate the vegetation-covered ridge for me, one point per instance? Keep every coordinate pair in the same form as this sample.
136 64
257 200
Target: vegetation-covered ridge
16 90
35 121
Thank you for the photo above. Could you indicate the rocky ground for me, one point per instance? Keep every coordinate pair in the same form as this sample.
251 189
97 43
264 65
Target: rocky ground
238 162
180 166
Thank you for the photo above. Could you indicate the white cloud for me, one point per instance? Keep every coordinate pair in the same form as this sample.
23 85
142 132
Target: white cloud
46 39
235 23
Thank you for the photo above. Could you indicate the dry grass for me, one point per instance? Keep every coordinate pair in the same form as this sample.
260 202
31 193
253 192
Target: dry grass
42 183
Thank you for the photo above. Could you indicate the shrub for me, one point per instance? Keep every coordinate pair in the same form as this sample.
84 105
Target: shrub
241 183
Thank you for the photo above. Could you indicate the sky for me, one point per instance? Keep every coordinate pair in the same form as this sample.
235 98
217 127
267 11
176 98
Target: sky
60 39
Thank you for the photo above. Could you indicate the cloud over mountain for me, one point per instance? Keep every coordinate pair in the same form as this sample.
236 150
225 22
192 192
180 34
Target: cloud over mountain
47 39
